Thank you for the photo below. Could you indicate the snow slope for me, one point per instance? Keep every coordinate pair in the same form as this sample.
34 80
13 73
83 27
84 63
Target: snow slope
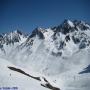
9 78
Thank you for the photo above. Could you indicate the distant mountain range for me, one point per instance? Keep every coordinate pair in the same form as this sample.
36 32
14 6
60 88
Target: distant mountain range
59 51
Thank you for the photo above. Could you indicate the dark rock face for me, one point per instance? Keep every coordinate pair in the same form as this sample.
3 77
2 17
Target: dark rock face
66 28
57 28
62 44
67 38
82 39
19 32
1 36
1 46
57 54
86 70
82 45
81 25
1 40
37 32
76 40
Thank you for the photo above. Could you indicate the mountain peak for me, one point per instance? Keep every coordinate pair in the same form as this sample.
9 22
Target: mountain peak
12 37
18 31
68 22
39 32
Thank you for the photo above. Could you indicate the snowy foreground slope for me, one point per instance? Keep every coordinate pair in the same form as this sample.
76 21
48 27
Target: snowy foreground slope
12 79
56 58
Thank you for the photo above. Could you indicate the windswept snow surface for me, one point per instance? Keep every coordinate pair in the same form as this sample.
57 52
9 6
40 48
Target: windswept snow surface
59 54
12 79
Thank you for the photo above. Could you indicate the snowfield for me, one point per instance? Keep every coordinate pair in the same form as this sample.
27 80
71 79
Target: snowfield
9 78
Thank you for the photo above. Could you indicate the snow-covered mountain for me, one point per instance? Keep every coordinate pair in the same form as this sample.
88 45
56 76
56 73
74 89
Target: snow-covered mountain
60 53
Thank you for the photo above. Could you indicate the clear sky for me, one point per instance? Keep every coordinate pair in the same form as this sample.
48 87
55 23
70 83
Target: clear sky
29 14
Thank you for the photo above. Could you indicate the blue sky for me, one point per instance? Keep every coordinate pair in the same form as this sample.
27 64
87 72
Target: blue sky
29 14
